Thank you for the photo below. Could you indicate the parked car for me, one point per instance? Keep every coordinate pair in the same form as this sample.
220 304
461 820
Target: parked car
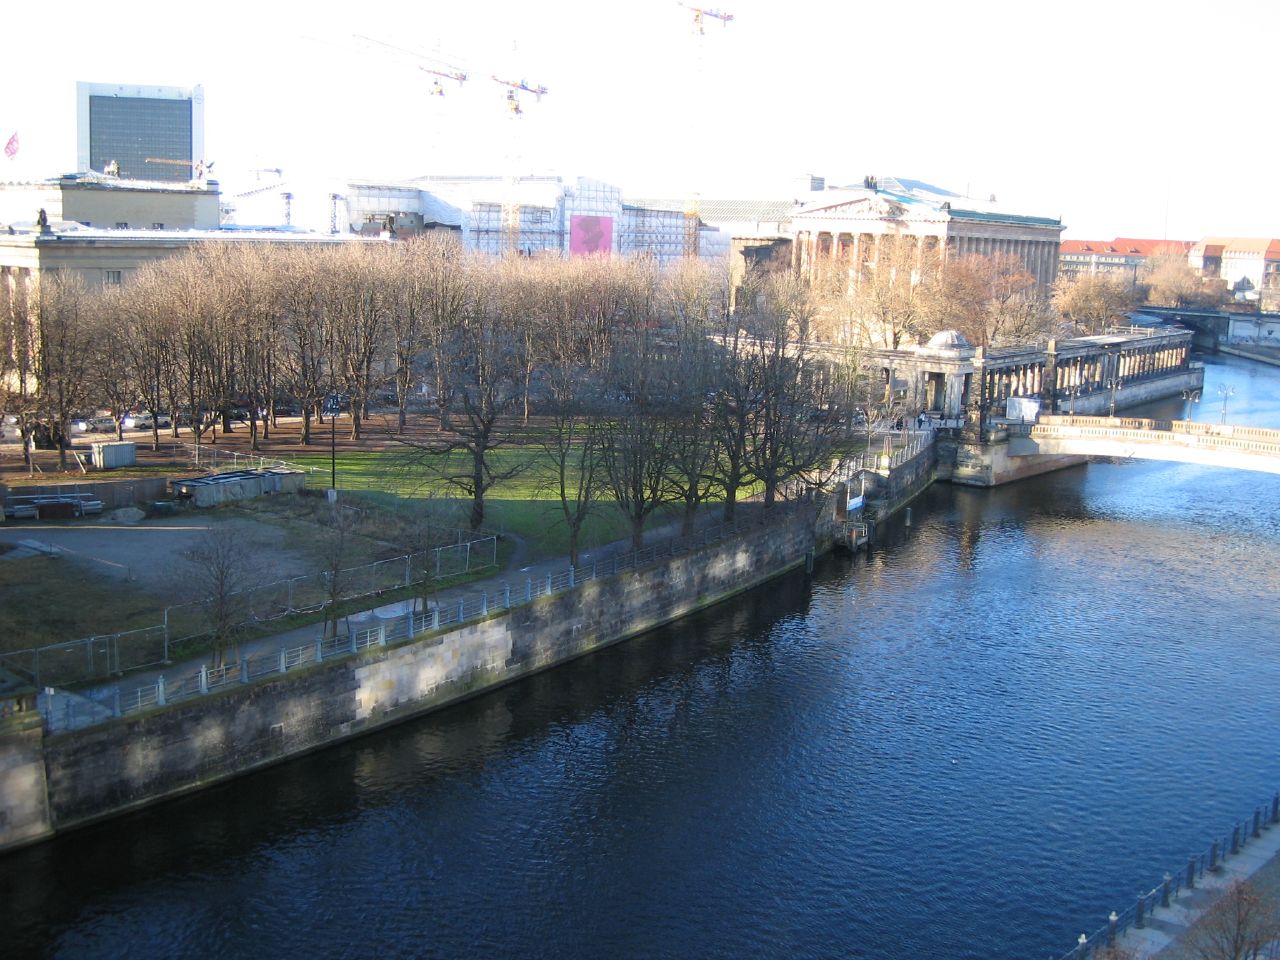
94 425
145 421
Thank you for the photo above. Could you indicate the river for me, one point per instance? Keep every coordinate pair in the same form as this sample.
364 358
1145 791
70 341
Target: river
973 742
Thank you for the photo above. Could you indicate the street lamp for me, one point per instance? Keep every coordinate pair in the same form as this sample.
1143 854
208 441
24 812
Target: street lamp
1114 386
1074 392
1224 393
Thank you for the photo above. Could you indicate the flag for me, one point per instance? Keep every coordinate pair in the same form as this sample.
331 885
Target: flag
11 148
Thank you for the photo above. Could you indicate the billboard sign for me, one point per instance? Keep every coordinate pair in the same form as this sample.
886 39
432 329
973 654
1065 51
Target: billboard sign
590 235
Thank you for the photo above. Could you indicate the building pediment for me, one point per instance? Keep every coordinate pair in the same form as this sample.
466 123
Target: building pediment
861 208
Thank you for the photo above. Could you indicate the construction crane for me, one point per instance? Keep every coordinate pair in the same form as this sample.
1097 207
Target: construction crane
699 13
514 87
436 67
436 89
200 168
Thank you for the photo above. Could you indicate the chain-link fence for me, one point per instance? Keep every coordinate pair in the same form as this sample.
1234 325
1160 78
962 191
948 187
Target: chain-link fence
72 711
104 655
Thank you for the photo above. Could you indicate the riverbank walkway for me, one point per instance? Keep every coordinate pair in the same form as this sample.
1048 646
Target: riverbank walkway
1165 931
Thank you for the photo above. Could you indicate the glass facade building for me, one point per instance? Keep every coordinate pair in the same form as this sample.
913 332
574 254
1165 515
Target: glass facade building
140 133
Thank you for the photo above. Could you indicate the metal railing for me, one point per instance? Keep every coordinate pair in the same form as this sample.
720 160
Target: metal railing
77 712
1161 896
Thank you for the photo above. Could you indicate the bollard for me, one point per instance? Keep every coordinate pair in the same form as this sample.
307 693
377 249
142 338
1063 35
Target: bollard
1191 873
1113 923
1164 891
1257 822
1140 912
1213 857
1235 839
1082 946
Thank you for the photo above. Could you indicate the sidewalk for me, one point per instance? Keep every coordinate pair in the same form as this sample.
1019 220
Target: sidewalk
1163 934
66 710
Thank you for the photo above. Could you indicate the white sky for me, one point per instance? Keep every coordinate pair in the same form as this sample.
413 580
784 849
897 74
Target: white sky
1125 117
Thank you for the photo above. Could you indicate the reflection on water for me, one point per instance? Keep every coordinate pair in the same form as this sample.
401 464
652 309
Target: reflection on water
973 742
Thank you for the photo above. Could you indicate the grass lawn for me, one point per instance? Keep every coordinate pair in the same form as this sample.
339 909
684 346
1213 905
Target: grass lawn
49 599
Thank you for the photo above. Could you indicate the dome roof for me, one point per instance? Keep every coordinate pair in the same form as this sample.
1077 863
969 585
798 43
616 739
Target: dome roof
948 340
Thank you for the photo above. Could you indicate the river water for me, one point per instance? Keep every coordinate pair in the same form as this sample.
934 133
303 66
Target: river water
973 742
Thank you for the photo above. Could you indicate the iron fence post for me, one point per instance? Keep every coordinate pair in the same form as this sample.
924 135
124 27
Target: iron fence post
1164 891
548 584
160 693
1113 922
204 678
506 595
462 609
1191 873
283 667
1139 913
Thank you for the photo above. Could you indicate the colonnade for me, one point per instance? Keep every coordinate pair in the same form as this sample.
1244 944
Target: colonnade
815 251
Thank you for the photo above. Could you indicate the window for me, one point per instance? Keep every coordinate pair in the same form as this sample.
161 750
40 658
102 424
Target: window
121 225
157 226
111 278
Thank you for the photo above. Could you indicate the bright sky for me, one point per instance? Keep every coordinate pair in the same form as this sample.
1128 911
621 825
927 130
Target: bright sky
1125 117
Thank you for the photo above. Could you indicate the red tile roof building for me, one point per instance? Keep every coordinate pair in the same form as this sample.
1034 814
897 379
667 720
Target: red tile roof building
1123 256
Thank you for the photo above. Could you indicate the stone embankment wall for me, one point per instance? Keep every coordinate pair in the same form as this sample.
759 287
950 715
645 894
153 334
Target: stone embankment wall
91 774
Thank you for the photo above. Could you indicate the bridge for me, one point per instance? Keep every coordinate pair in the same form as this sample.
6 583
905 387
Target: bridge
1182 441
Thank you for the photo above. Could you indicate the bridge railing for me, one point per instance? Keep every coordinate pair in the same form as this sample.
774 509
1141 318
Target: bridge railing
1190 428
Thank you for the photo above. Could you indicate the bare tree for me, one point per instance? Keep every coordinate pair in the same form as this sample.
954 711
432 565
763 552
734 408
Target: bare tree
992 300
572 442
219 572
479 363
1091 302
63 355
791 429
1170 281
1237 926
339 526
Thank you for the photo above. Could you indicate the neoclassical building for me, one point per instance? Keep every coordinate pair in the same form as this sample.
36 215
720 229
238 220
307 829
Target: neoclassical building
850 226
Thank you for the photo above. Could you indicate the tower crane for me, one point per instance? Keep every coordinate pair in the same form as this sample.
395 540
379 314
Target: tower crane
434 66
436 89
514 87
699 13
199 169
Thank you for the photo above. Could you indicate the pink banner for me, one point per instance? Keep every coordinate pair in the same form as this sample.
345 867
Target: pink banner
588 235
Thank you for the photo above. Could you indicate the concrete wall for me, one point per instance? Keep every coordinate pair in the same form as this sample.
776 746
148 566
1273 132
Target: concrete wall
101 771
